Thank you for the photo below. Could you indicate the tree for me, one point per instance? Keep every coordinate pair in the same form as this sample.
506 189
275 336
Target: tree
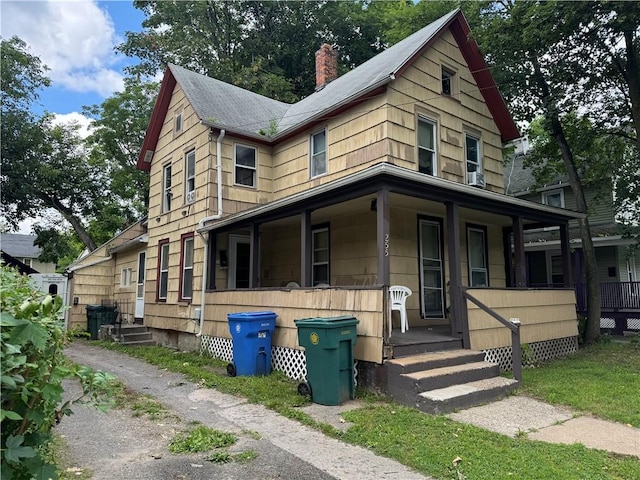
118 129
542 53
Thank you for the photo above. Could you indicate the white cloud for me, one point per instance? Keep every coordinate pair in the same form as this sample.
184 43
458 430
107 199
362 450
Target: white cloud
75 39
74 117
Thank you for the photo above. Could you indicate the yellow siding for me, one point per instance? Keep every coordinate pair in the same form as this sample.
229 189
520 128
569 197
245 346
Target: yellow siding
544 315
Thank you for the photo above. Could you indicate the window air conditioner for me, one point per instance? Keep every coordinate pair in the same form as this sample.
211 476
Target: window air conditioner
476 179
191 196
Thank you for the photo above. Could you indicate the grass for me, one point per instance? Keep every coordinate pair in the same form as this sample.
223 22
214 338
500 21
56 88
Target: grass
201 439
56 452
602 379
431 444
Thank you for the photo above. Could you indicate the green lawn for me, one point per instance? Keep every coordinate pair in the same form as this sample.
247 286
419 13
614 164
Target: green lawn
602 379
431 444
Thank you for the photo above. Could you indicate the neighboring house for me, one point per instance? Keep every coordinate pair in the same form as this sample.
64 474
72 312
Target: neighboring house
388 175
22 248
618 267
109 274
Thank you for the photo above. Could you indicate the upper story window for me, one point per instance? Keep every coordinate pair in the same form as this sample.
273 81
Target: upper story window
427 160
448 78
320 255
472 154
166 188
177 123
186 271
190 177
163 270
553 198
245 160
318 153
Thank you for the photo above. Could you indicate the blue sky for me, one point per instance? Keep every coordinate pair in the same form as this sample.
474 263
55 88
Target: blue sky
76 40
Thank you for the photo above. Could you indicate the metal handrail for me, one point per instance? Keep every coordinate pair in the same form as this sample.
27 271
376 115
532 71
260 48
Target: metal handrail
513 325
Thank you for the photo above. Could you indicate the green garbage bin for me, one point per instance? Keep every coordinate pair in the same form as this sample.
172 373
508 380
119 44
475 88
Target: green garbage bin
98 315
328 344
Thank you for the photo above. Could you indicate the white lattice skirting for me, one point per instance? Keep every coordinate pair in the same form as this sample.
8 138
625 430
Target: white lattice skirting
533 353
292 362
631 323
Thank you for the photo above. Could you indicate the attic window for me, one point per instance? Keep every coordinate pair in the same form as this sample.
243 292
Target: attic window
447 81
178 123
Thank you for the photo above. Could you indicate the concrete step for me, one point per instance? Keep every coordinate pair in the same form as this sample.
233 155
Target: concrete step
135 337
426 361
139 343
442 377
132 328
448 399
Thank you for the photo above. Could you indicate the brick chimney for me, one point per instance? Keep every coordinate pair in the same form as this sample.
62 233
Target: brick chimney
326 66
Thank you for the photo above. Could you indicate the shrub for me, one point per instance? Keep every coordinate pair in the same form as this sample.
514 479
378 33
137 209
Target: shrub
32 370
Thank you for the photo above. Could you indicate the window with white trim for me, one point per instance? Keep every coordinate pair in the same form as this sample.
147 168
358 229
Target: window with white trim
245 165
320 255
318 153
186 274
166 188
473 156
553 198
125 277
477 256
190 177
427 160
163 269
448 77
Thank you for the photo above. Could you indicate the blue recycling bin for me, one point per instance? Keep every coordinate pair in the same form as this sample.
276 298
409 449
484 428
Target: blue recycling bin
251 335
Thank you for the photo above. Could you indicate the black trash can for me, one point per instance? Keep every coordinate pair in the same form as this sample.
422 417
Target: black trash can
98 315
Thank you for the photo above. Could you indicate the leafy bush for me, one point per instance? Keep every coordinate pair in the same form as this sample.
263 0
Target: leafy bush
32 370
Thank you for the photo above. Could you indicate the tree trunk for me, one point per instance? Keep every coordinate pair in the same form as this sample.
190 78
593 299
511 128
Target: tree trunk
592 327
75 222
632 76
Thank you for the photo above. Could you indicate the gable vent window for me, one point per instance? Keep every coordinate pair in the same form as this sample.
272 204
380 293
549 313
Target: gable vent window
447 81
178 123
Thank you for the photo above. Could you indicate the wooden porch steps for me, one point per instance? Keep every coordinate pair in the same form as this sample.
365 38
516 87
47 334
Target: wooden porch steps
440 382
134 335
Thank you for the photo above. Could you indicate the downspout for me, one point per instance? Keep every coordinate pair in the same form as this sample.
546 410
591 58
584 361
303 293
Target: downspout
208 219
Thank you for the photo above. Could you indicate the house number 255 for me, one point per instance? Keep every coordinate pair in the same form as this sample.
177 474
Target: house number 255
386 245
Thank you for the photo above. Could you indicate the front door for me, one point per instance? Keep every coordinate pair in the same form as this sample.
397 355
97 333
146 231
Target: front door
431 269
140 286
239 261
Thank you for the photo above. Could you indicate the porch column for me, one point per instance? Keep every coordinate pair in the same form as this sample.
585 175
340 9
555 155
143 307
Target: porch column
213 255
519 258
305 249
508 255
254 258
567 272
458 313
383 236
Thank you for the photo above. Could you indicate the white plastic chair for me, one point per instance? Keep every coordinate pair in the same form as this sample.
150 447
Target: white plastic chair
399 295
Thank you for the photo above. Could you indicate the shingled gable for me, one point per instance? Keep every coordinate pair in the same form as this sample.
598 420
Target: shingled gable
224 106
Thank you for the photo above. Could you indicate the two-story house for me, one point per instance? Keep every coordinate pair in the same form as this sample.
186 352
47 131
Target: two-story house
388 175
618 267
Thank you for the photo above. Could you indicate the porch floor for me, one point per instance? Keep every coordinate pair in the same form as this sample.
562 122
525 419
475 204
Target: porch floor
422 339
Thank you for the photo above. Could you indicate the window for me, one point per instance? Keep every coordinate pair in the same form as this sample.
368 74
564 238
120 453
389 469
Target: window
166 188
190 179
426 146
320 255
553 198
186 270
557 277
447 81
477 256
125 277
163 269
318 153
472 154
28 262
245 165
177 127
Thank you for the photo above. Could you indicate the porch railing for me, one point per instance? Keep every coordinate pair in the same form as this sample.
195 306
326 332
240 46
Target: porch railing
513 325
